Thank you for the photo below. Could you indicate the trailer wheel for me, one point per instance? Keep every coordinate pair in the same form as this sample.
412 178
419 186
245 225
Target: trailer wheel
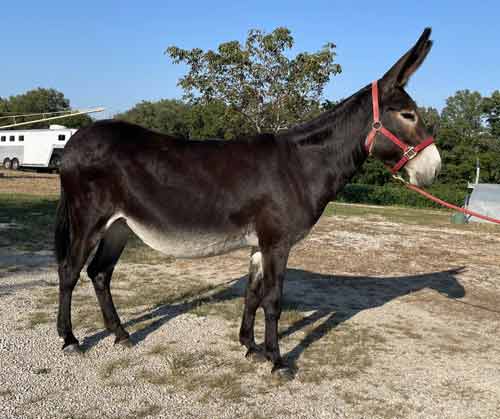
55 161
14 164
6 163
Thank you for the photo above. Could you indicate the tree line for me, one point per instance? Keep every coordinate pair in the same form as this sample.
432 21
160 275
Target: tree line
259 86
38 101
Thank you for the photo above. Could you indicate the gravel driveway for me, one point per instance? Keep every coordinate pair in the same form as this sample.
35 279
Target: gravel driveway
381 320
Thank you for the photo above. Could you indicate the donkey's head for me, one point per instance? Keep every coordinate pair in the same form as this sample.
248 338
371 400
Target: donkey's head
399 137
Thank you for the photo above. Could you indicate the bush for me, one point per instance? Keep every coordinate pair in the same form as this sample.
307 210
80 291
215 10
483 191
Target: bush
391 194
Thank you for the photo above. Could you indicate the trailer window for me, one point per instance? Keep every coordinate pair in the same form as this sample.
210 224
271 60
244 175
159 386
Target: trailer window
21 138
12 138
62 137
4 138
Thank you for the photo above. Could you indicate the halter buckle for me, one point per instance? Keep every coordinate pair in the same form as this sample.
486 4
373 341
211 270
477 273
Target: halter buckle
410 153
377 125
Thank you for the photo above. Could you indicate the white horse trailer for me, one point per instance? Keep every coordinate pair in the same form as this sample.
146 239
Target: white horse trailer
35 148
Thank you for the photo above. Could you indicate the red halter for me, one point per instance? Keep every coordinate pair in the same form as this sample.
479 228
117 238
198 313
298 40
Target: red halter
409 152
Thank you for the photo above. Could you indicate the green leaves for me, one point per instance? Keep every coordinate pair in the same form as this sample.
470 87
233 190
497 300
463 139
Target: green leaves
258 80
468 132
186 120
39 100
491 109
166 116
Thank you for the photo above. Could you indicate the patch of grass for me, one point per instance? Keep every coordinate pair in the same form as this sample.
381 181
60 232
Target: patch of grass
179 366
49 296
377 407
291 313
108 369
137 252
403 215
159 349
180 363
206 372
155 378
347 350
390 213
7 392
40 397
226 385
33 219
39 317
228 309
148 411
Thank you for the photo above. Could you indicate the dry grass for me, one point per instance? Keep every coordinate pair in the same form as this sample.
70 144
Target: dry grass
205 373
32 183
111 367
150 410
374 407
38 317
359 308
351 350
7 392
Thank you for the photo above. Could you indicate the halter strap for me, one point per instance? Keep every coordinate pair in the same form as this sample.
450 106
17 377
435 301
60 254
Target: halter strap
409 152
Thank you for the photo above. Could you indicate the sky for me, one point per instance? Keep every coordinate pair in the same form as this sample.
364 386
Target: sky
111 53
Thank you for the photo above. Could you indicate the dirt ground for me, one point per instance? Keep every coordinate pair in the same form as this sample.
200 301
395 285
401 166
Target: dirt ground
32 182
382 319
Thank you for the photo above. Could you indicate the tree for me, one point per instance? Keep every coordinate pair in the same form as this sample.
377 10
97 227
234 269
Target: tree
467 132
37 101
41 101
463 112
214 120
491 109
431 118
166 116
258 80
184 120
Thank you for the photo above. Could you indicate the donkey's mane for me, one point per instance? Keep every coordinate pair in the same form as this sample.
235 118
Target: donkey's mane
332 126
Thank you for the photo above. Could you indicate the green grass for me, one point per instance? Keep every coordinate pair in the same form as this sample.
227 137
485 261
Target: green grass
395 214
33 218
404 215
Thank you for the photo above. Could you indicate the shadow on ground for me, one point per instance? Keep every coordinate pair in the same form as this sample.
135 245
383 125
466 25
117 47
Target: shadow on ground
332 299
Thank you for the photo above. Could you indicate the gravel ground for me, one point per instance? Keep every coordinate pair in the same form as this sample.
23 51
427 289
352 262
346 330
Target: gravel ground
381 320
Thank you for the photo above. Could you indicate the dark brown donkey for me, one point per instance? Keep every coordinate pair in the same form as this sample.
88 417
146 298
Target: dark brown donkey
203 198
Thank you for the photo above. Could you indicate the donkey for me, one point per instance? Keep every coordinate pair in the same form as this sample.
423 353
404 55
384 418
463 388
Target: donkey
193 199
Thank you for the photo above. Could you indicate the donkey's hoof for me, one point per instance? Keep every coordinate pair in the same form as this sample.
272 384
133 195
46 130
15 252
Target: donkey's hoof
125 342
283 372
73 348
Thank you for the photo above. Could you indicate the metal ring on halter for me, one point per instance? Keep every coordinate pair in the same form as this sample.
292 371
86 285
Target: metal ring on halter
377 125
410 153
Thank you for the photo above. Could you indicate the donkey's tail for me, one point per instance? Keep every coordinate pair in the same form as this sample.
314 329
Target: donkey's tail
62 239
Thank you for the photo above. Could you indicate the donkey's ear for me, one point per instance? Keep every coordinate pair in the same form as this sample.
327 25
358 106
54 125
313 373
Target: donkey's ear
401 72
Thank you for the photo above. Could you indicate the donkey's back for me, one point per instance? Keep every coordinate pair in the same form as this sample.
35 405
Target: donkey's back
184 198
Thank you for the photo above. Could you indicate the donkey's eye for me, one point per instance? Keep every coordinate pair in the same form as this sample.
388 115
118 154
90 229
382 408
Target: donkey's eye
408 115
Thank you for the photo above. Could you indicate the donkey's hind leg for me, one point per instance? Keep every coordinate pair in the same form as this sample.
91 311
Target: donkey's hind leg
253 297
69 273
100 271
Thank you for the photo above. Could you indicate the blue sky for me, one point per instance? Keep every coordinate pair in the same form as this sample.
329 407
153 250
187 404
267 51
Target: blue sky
110 53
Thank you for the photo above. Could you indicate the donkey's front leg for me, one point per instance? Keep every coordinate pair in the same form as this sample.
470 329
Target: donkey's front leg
275 260
253 297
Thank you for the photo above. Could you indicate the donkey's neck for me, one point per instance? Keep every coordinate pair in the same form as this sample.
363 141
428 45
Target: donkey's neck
331 147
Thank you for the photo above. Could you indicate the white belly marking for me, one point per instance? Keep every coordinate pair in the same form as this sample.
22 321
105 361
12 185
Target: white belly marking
189 244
